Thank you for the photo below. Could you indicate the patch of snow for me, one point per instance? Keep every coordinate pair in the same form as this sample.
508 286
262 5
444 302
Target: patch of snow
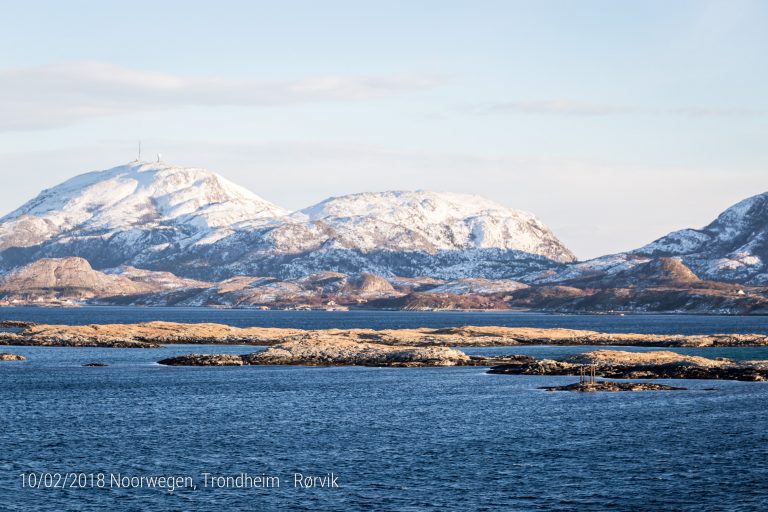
678 242
604 265
482 286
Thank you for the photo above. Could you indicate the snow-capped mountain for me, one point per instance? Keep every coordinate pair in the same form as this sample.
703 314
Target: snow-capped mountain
426 221
734 247
132 202
406 234
196 224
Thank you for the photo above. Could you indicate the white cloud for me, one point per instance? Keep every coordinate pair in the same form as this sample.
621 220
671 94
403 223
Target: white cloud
61 94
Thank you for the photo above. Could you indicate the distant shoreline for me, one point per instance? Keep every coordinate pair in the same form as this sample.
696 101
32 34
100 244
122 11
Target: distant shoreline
511 311
157 333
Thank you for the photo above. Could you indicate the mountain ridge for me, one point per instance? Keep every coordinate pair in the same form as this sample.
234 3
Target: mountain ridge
160 217
155 234
733 247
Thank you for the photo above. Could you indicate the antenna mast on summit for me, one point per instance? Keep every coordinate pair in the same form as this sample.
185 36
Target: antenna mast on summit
139 157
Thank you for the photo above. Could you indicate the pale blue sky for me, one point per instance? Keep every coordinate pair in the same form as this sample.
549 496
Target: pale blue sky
614 121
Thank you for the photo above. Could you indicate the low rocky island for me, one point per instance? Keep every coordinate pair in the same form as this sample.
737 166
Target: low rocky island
612 387
411 347
155 334
618 364
11 357
330 353
604 363
204 360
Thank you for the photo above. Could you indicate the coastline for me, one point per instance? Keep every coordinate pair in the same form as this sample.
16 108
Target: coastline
415 347
354 309
156 333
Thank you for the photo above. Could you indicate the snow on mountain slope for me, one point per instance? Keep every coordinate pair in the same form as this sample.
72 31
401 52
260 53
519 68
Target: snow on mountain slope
597 267
196 224
137 196
734 247
476 285
419 221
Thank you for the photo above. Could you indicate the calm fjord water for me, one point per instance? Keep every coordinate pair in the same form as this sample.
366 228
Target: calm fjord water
650 323
398 439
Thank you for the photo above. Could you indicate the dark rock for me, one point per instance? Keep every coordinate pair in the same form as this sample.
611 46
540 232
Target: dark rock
610 386
499 360
204 360
15 324
618 364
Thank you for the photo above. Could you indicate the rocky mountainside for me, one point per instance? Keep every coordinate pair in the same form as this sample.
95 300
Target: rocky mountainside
734 247
64 279
53 281
637 272
663 284
198 225
629 282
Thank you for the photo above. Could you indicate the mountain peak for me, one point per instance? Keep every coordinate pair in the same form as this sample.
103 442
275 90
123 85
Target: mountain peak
743 213
426 202
138 195
733 247
431 221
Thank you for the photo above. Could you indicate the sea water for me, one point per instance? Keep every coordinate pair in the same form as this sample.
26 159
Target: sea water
389 438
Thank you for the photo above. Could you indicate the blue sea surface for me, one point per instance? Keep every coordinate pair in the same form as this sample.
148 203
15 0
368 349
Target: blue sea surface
407 439
640 323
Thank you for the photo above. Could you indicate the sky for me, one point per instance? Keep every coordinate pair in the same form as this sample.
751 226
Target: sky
614 122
